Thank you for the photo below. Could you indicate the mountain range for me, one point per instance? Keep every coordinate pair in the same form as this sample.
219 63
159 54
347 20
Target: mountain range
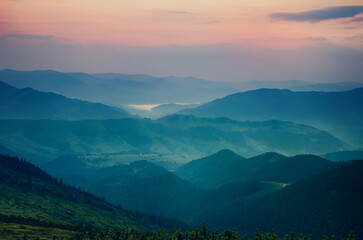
227 167
175 138
147 187
27 103
120 89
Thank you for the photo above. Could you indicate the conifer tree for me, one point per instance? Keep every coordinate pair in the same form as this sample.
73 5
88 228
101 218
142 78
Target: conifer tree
351 236
257 235
273 235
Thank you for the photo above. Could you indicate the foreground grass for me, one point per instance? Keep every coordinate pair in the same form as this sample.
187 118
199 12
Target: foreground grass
12 231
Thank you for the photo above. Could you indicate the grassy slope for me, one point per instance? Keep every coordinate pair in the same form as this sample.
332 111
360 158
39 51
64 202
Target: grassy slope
27 191
11 231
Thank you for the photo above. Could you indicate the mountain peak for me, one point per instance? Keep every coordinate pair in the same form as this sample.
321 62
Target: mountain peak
225 153
268 156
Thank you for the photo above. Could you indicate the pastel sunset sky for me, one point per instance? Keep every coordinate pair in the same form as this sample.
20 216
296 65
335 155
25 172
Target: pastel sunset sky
231 40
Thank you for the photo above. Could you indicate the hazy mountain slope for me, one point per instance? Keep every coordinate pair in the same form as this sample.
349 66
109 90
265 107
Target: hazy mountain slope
328 203
43 80
254 135
30 104
293 169
175 138
67 165
343 156
227 167
6 151
309 107
340 112
26 190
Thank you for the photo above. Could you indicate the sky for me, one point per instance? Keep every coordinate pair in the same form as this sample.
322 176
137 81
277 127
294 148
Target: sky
230 40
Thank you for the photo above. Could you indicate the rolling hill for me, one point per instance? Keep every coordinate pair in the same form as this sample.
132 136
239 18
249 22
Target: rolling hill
174 138
143 186
234 181
30 104
227 167
146 187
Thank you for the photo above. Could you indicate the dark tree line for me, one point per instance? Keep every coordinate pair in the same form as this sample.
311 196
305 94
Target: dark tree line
90 232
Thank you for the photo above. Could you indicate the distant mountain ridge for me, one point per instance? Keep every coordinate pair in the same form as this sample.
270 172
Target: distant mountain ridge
118 89
266 104
299 85
344 155
31 104
338 112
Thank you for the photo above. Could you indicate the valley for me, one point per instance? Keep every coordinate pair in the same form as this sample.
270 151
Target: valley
181 120
232 163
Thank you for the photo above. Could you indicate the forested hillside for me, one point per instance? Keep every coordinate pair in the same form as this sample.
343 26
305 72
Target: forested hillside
27 191
328 203
227 167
